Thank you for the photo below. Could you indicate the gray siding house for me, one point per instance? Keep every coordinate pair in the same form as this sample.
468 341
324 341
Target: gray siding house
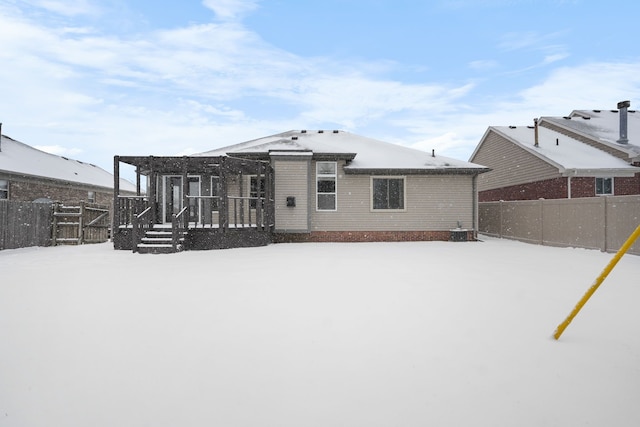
314 186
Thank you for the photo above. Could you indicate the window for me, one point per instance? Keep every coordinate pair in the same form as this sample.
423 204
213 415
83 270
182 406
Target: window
4 189
215 192
326 177
387 193
604 186
256 190
91 196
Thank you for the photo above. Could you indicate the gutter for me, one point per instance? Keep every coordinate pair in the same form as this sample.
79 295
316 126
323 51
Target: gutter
399 171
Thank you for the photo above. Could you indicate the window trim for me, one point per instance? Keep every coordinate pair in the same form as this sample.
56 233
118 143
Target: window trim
603 178
213 191
253 203
335 190
5 190
388 177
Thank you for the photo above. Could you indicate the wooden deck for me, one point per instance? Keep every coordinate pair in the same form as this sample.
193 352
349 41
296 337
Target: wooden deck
187 216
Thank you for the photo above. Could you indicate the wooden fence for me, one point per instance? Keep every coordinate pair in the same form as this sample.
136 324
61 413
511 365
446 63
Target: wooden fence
594 222
84 223
24 224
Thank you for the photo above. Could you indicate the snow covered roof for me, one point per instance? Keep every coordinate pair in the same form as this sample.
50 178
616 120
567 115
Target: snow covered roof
571 156
22 159
604 127
364 154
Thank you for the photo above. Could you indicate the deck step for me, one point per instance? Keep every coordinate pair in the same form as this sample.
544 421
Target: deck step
157 241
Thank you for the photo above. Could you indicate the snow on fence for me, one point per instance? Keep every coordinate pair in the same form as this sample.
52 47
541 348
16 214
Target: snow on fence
594 222
24 224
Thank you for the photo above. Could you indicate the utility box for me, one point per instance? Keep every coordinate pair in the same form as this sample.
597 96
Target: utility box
458 235
291 201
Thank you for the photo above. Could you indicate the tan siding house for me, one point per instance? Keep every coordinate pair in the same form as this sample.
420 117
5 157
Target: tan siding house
298 186
337 186
581 155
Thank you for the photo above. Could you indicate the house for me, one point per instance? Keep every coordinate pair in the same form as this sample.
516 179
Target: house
28 174
299 186
586 154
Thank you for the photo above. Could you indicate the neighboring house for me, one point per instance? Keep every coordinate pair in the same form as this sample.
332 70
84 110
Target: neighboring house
301 186
585 154
28 174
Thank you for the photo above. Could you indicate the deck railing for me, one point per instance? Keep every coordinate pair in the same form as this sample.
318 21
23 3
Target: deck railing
140 224
240 212
179 226
128 207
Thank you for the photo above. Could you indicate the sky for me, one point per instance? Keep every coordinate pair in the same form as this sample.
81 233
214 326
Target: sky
90 79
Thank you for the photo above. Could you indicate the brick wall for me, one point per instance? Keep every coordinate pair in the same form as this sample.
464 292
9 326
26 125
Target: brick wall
547 189
365 236
28 191
558 189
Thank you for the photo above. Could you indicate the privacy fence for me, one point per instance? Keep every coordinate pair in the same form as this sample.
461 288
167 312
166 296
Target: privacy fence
24 224
595 222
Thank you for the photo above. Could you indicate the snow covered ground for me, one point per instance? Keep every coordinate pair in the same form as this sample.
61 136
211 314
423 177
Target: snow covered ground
368 334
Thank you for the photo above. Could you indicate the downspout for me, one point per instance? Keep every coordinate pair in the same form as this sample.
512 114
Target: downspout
0 137
474 209
115 216
568 187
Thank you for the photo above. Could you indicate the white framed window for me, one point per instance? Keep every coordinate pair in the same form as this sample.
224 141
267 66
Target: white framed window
257 190
326 186
604 186
388 193
4 189
215 192
91 196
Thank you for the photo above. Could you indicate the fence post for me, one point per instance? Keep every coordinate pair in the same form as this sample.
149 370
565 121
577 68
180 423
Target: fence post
541 220
81 222
605 223
500 207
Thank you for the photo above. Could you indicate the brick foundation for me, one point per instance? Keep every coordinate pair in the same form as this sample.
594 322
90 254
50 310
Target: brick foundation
365 236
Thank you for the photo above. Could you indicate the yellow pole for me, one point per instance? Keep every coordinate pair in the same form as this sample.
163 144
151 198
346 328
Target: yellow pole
625 247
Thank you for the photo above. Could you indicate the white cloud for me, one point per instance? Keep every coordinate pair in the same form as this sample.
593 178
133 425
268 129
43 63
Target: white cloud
230 9
59 150
66 7
200 87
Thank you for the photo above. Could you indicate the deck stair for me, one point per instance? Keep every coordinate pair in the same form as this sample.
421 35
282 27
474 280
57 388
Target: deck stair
159 241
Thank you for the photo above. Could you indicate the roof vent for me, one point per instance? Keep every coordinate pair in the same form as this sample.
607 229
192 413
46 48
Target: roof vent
623 106
614 111
586 117
335 131
535 132
303 131
597 111
512 127
320 131
567 118
294 137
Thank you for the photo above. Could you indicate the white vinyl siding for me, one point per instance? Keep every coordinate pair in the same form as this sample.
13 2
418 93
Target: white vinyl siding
292 180
432 202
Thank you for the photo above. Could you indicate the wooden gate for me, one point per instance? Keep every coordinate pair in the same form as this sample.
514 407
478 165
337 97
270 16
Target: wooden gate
75 225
